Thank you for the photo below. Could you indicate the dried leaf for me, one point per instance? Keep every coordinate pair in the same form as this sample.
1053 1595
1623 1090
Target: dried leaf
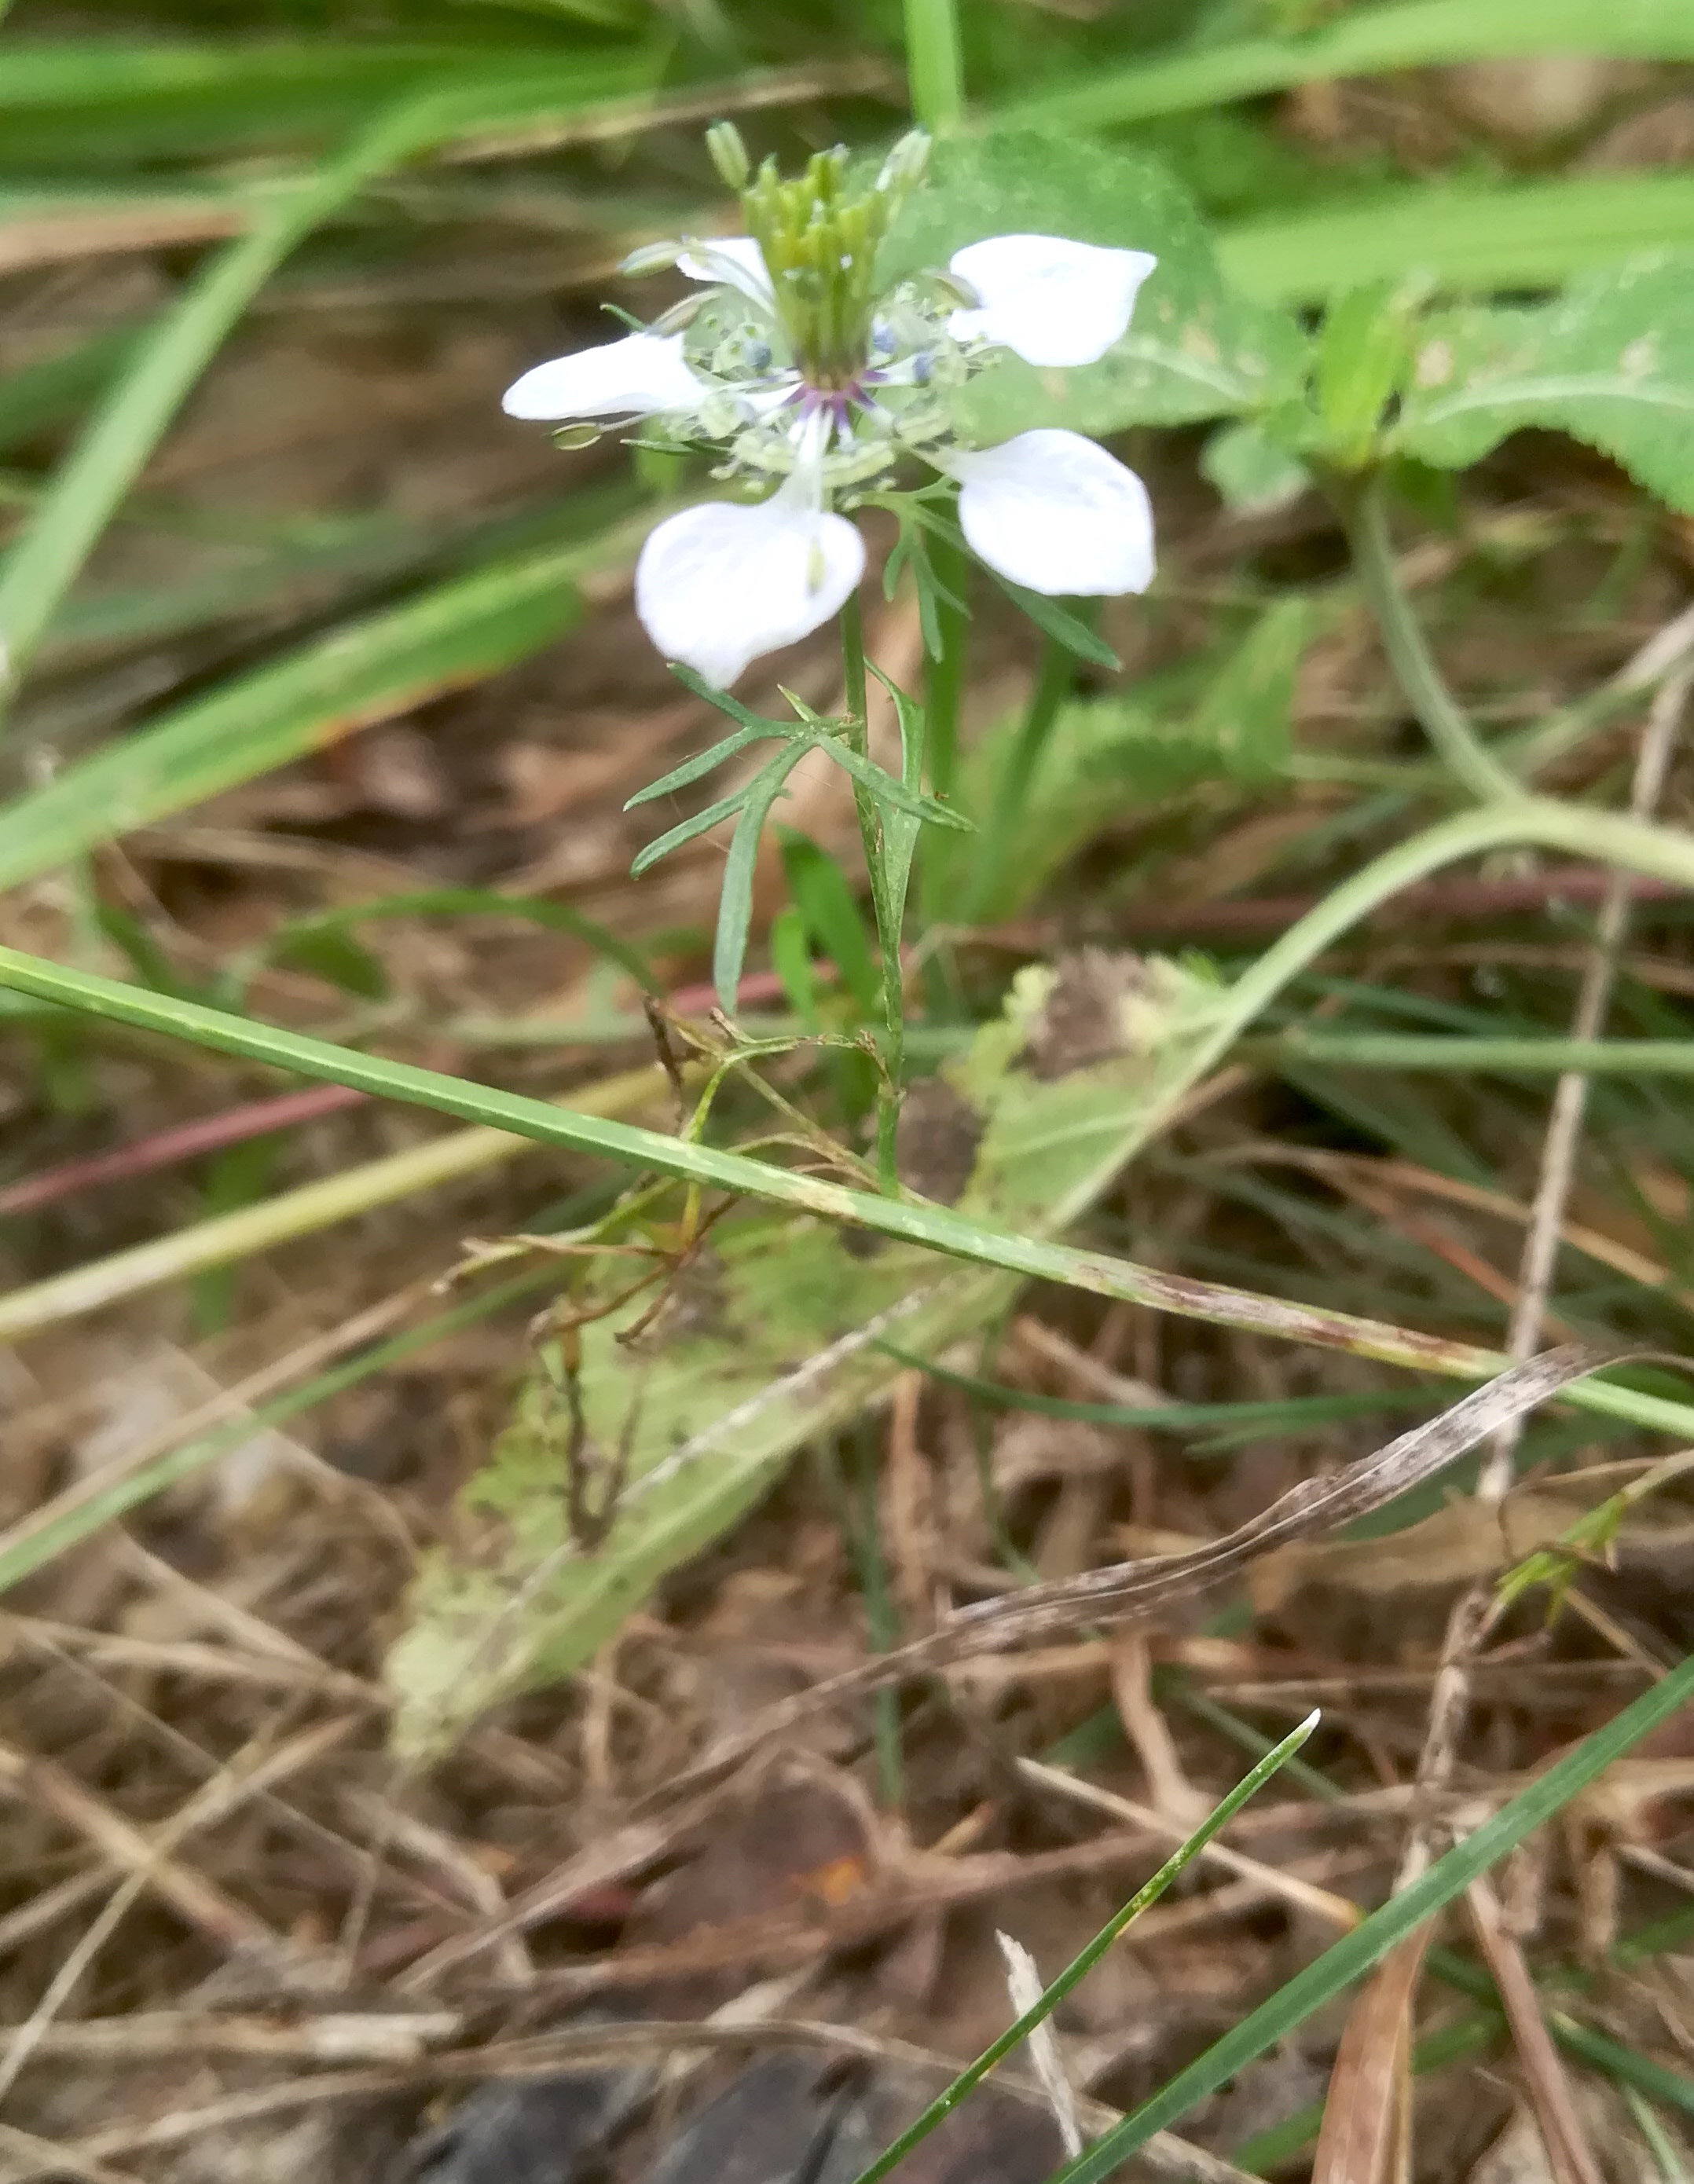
1145 1591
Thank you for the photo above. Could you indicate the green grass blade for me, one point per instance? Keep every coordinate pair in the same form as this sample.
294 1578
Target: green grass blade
1355 1952
1371 40
449 636
74 105
474 902
40 395
1086 1958
911 1220
1397 1050
1526 235
1263 1415
46 557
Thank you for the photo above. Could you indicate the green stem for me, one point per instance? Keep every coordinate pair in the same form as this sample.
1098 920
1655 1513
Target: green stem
943 676
1658 851
1632 1057
935 64
892 1081
1466 757
1012 790
853 672
49 553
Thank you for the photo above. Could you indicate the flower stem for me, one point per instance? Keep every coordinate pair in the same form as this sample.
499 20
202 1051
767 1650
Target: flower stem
853 670
1012 790
934 65
944 674
892 1079
1466 756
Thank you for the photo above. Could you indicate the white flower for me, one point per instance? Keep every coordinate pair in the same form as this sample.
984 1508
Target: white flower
718 587
1050 301
636 377
816 385
1055 513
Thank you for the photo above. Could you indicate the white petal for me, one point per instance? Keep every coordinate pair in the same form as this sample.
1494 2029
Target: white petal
1056 513
1052 301
717 587
638 377
733 261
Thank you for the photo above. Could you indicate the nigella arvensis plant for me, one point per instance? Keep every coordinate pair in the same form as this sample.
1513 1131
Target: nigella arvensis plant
813 381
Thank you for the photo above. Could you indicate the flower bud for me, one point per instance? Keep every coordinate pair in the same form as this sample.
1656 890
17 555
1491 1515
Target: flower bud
650 258
729 154
904 167
681 314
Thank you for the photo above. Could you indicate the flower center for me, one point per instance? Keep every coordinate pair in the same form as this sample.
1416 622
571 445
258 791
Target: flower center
820 238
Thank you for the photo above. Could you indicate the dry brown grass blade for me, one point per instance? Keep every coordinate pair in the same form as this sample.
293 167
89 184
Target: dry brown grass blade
1570 2155
545 2054
1474 1613
40 2157
1362 2135
1143 1593
614 1857
1337 1911
198 1902
140 2039
1395 1175
186 1892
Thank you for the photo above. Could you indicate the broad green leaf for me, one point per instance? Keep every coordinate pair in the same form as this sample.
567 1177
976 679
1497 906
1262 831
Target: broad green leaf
1365 41
710 1403
1194 349
1611 363
370 669
1253 474
1529 235
1108 759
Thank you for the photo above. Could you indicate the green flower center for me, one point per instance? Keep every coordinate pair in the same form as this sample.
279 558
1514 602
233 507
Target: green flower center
820 243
